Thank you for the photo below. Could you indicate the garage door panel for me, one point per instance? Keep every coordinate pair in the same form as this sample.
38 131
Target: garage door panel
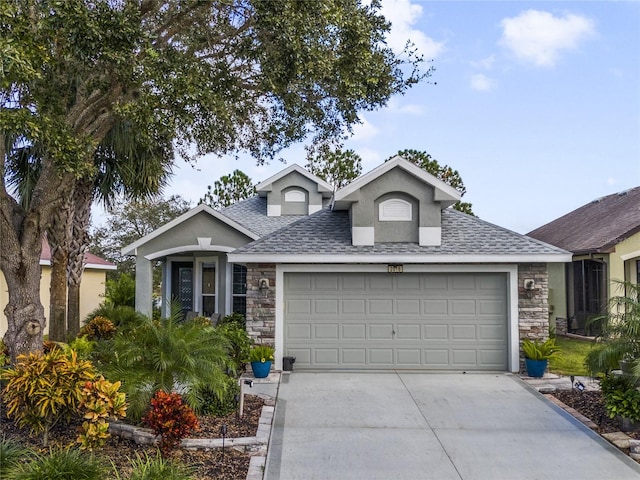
326 306
463 332
381 357
488 307
464 357
380 282
326 332
354 332
354 306
492 332
436 332
354 356
408 306
463 307
409 331
302 306
435 307
409 357
299 331
437 357
326 357
327 283
381 306
381 332
413 321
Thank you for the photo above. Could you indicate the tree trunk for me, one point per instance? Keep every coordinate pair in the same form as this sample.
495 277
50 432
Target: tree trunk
24 311
59 237
82 199
20 251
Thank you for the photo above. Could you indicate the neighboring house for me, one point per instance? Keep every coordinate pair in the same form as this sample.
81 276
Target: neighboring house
382 275
91 289
604 237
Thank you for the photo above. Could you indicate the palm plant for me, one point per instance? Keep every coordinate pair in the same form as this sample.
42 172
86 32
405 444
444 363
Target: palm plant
168 355
619 339
125 164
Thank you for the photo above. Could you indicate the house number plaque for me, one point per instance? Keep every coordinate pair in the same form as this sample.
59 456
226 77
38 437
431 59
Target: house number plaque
394 268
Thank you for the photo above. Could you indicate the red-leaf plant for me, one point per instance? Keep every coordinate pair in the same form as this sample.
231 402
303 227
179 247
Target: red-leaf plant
170 418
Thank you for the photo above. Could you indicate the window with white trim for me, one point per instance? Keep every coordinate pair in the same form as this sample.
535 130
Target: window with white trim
394 210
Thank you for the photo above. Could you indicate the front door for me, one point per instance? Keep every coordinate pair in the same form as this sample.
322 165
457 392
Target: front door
182 285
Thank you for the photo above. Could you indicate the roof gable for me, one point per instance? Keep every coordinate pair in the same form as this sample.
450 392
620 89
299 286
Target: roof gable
131 248
445 194
265 186
597 226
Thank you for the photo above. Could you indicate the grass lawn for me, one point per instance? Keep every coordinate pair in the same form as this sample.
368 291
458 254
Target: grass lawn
570 360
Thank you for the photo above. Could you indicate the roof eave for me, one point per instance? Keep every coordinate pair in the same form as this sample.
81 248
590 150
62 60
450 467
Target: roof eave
400 258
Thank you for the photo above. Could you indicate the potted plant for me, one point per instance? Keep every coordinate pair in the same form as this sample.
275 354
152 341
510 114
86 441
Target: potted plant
537 355
621 400
261 358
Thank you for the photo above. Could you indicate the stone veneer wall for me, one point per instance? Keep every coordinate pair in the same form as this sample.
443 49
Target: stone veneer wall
533 306
261 309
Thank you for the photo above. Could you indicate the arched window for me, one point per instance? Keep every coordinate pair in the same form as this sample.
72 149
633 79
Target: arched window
394 210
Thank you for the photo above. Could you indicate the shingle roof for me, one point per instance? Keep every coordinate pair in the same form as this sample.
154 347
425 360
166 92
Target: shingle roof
597 226
252 214
329 232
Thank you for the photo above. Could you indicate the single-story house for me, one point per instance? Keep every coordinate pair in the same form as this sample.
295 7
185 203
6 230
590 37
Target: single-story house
381 274
92 287
604 239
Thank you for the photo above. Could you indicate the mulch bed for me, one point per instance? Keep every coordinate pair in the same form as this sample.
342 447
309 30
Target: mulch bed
207 464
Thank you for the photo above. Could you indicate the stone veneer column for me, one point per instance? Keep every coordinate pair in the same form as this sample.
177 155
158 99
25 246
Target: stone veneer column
533 305
261 306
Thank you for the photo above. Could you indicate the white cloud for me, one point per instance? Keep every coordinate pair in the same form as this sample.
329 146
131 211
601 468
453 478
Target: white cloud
539 37
403 15
364 131
408 108
481 82
485 63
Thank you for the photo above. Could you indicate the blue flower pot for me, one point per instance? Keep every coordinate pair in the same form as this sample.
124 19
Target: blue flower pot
536 368
260 369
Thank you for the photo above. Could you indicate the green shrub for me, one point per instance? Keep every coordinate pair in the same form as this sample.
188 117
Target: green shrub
234 318
81 345
61 464
121 315
157 468
239 345
170 418
623 403
261 353
12 454
220 404
122 291
165 355
536 350
619 328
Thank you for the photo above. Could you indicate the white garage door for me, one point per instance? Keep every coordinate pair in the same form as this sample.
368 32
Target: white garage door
454 321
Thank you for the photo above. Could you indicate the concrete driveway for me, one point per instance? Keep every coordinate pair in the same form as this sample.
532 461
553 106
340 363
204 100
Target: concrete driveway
430 426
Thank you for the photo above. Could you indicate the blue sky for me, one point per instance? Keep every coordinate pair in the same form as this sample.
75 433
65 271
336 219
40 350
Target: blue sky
537 105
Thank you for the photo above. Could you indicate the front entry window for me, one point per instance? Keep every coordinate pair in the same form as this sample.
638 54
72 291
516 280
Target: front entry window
208 289
239 289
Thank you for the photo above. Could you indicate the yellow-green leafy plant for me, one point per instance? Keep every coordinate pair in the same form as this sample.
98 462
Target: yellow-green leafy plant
44 388
101 401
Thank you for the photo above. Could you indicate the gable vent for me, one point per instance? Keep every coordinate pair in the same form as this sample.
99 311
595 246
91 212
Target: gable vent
394 210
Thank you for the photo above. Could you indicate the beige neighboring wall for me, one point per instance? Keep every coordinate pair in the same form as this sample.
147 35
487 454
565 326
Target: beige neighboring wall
92 291
622 262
